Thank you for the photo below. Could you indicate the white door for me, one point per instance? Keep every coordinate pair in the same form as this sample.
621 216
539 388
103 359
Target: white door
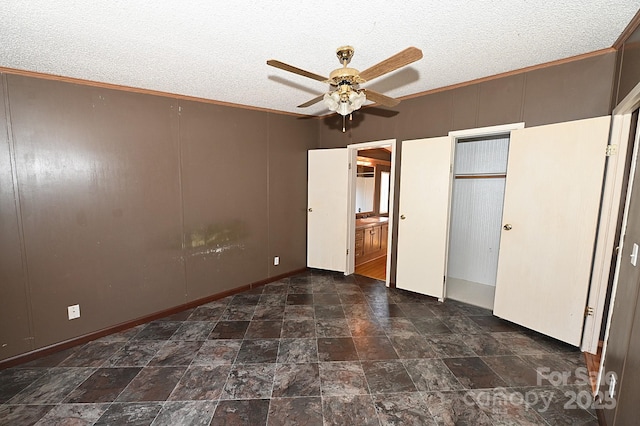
327 209
552 197
425 179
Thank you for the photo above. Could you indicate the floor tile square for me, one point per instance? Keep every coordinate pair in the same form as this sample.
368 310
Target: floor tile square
258 351
201 383
430 326
374 348
130 413
450 346
71 414
337 349
328 311
298 312
194 330
365 327
485 345
207 313
53 386
186 413
457 407
326 299
245 412
269 313
216 352
349 410
513 370
342 378
158 330
431 375
302 328
92 354
473 373
229 330
249 381
176 353
296 380
332 328
23 414
104 385
387 377
300 299
295 411
13 381
403 409
297 351
264 330
412 347
152 384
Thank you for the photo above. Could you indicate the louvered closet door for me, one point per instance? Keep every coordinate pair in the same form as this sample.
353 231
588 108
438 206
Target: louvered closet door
552 197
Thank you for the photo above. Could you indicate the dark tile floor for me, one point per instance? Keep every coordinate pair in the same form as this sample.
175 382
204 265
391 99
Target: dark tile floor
312 349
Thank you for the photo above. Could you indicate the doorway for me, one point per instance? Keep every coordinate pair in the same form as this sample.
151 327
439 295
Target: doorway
373 179
479 176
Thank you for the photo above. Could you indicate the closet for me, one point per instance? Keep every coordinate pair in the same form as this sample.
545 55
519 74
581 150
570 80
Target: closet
535 248
477 198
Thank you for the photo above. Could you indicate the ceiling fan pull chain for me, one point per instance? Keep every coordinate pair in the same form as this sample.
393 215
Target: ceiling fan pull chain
343 129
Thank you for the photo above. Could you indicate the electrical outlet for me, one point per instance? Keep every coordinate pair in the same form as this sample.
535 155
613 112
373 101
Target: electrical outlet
276 260
73 311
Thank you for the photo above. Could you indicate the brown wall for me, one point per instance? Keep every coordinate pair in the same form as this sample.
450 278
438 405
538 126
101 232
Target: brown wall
130 204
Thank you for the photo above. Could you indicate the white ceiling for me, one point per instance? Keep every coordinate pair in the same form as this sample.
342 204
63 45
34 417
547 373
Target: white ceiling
218 50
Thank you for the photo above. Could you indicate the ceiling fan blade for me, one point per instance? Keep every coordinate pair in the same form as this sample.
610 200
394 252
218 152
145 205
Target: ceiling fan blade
380 98
312 101
399 60
295 70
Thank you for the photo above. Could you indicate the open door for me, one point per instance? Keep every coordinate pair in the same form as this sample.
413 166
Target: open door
327 209
552 197
425 180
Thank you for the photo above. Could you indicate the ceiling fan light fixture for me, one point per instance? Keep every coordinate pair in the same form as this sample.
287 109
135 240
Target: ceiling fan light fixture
357 99
331 100
344 100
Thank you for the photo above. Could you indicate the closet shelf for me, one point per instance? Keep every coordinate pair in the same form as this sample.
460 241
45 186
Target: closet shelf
482 176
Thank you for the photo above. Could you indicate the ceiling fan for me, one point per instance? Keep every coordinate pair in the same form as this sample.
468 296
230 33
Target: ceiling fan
345 95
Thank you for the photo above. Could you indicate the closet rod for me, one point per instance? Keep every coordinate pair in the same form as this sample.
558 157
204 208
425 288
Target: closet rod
498 176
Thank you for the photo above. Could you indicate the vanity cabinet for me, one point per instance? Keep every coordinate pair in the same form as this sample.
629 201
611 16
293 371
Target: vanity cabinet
371 240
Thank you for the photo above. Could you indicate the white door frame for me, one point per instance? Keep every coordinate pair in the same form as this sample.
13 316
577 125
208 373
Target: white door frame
620 128
351 223
607 225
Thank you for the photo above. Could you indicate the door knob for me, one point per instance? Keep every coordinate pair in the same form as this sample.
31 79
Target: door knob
310 209
403 217
507 227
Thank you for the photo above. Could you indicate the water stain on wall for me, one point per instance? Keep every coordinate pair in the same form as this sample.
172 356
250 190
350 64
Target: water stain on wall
216 239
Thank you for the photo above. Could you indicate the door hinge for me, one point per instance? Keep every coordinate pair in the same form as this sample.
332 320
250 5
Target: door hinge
612 150
349 166
444 279
347 252
588 311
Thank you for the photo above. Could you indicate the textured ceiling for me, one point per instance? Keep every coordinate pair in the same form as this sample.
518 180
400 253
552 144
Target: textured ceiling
218 50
